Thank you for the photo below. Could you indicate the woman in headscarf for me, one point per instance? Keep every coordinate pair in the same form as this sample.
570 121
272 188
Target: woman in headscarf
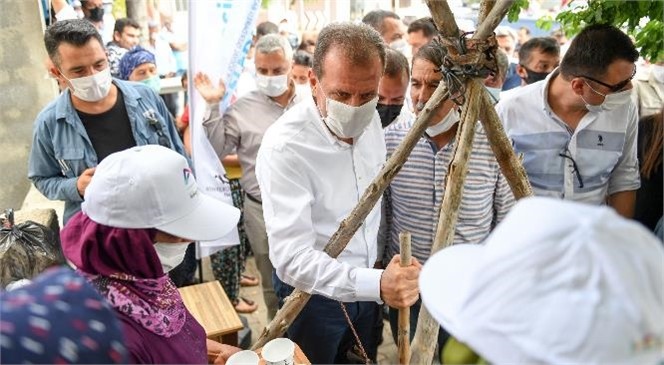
141 211
140 65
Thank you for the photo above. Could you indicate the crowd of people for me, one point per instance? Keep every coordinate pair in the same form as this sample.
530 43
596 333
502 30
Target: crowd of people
573 275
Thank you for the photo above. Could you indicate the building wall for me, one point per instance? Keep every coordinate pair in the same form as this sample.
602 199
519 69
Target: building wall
25 89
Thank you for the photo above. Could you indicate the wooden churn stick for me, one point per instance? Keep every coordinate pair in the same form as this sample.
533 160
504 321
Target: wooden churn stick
404 313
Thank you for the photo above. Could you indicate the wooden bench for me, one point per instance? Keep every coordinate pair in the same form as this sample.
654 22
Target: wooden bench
209 304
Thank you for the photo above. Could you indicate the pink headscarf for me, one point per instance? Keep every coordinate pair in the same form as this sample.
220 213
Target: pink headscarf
124 266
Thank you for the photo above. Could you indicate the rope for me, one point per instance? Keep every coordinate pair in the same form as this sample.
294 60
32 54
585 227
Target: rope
465 57
357 337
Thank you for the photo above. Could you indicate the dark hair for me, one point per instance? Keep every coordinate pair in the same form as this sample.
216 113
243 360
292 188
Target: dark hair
265 28
650 141
526 29
426 25
122 23
594 49
546 45
396 64
303 58
433 53
375 19
358 42
76 32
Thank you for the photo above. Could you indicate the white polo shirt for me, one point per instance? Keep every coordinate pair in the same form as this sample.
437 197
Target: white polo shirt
309 182
603 146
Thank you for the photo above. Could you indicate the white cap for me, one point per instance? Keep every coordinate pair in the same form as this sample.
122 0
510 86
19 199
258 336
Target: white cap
153 187
556 282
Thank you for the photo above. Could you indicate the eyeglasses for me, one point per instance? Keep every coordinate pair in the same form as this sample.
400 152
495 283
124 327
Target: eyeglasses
565 154
617 87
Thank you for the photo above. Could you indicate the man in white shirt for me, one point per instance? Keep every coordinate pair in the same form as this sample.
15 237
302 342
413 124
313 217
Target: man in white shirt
578 128
313 166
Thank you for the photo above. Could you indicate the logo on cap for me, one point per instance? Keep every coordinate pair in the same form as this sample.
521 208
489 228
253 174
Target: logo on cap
186 173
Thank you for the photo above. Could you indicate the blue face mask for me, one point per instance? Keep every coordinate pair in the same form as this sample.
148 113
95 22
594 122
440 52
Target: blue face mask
153 82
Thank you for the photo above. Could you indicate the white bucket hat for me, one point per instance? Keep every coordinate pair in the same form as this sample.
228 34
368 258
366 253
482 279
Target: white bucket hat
153 187
556 282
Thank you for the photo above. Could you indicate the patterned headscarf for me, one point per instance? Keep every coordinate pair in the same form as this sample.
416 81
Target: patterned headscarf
123 265
134 58
58 319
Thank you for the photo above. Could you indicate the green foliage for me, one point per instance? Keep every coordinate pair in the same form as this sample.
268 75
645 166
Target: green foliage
515 9
640 19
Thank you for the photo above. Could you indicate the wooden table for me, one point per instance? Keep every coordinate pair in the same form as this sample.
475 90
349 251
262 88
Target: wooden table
209 304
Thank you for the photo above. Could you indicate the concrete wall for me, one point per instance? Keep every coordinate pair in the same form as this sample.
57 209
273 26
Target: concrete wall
24 90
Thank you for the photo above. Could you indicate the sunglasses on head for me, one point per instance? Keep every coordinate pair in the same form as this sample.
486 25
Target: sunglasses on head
617 87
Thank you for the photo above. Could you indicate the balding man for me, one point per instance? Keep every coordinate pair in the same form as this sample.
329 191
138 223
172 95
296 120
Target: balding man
313 166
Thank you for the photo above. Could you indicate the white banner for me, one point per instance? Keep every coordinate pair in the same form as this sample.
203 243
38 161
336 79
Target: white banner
219 38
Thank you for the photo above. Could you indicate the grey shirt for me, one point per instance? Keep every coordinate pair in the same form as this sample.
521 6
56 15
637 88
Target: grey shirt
242 128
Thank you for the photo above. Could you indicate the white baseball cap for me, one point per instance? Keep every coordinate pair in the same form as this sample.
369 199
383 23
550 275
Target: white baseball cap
556 282
153 187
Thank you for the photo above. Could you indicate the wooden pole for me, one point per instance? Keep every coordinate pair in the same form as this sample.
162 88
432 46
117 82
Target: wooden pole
494 18
404 313
485 9
337 243
443 17
427 328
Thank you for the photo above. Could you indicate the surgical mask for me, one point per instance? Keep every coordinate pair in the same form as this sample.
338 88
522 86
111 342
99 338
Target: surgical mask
494 92
171 254
388 113
303 90
272 86
533 76
444 125
97 14
657 72
611 101
399 45
347 121
92 88
153 82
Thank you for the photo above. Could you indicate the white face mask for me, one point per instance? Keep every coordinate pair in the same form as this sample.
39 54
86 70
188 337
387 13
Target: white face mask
494 92
347 121
444 125
272 86
400 45
303 90
657 72
92 88
611 101
171 254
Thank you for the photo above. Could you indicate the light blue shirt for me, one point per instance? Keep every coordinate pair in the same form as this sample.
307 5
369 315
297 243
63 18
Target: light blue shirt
61 149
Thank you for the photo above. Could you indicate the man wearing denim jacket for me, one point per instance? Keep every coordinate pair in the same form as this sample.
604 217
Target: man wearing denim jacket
94 117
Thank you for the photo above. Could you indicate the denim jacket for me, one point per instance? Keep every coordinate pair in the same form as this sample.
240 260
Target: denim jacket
61 149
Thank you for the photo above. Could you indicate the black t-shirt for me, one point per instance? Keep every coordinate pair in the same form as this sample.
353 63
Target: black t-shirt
109 131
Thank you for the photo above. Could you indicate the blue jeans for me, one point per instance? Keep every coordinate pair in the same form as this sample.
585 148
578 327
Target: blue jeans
414 315
321 329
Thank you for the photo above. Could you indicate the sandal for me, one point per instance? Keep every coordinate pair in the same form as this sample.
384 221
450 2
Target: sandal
243 305
247 280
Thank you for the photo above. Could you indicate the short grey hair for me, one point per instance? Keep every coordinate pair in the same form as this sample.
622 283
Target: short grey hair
271 43
358 42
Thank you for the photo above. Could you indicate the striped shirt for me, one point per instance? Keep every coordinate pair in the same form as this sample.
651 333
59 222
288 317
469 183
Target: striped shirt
415 194
601 150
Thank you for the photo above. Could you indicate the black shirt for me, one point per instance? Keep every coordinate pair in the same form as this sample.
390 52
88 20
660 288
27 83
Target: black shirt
109 131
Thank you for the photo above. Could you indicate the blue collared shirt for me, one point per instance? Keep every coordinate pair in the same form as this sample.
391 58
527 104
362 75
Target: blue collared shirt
61 149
